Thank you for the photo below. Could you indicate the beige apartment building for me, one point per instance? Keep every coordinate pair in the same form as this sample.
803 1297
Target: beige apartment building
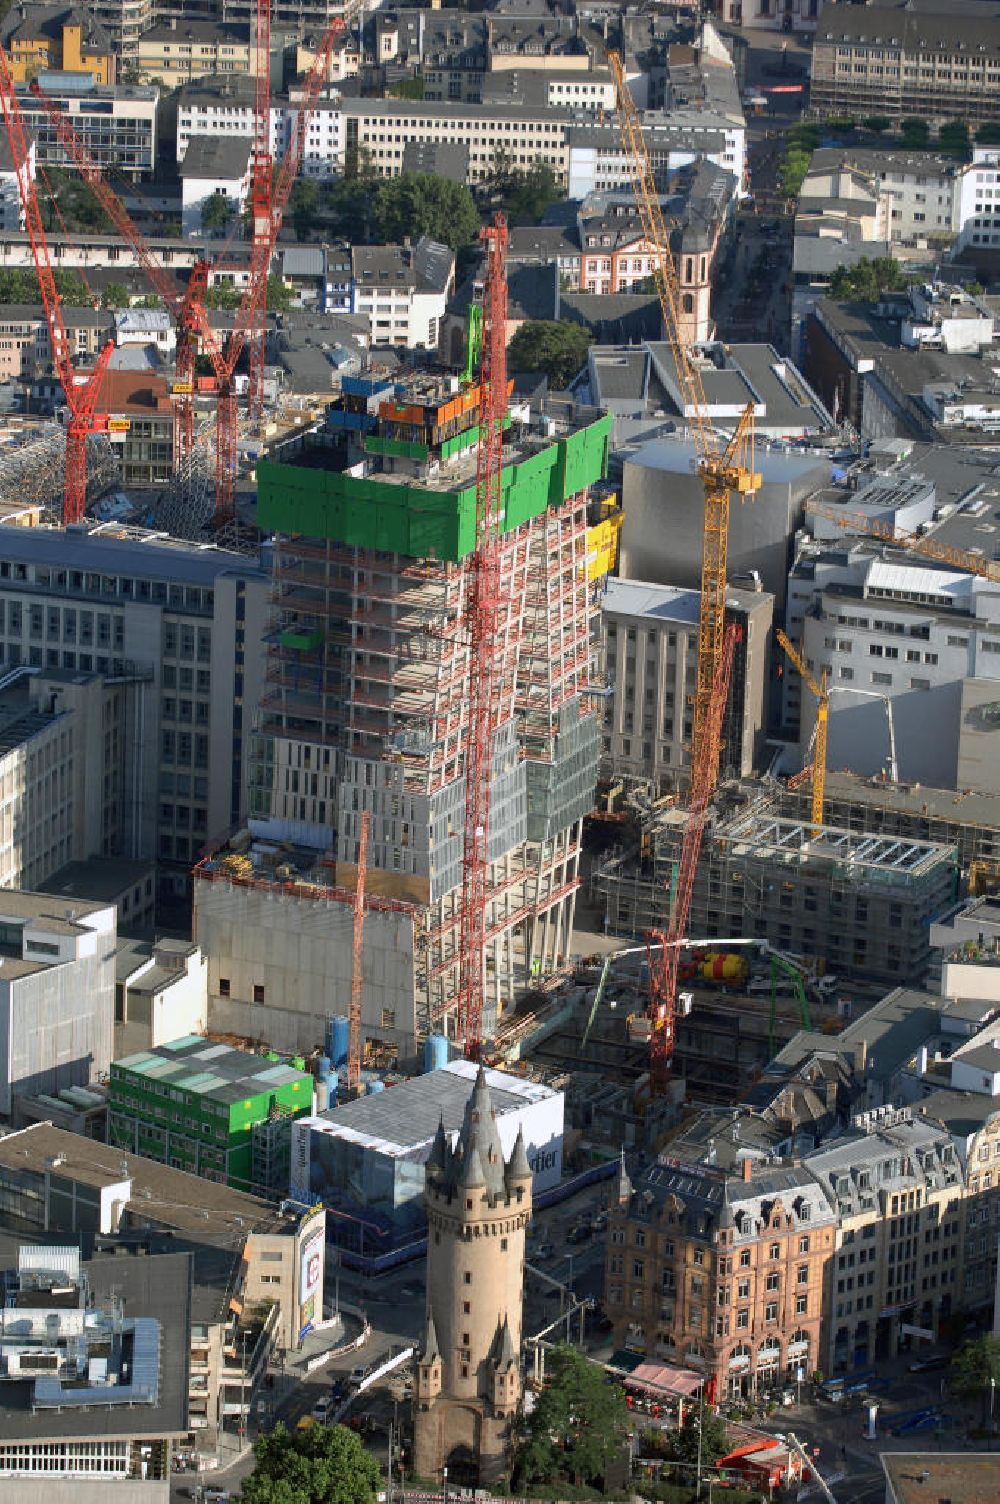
180 50
901 63
378 130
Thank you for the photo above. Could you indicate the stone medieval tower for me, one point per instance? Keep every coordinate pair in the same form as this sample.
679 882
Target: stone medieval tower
468 1384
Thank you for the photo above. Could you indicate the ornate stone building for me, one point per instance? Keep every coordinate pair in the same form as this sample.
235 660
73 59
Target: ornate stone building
468 1385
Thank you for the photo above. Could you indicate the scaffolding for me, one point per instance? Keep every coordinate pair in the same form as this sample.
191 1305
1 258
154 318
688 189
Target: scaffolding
365 707
33 466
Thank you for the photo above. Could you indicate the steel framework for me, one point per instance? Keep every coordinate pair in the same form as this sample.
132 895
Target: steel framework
483 584
871 527
357 960
664 947
261 185
81 394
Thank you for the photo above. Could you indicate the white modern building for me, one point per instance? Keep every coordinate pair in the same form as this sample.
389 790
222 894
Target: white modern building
912 638
117 124
978 208
365 1160
214 167
403 290
57 977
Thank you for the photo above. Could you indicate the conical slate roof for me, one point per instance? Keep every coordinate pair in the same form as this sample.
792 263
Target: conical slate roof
503 1346
431 1349
518 1167
438 1157
470 1174
480 1128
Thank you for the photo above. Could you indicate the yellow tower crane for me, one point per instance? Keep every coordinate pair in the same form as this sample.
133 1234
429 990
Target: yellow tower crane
822 727
724 468
917 543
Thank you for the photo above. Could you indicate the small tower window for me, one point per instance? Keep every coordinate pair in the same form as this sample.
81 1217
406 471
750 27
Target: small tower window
468 1203
466 1307
467 1277
465 1339
465 1370
503 1245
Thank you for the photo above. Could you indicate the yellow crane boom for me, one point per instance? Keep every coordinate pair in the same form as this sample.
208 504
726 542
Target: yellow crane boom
822 726
724 469
929 547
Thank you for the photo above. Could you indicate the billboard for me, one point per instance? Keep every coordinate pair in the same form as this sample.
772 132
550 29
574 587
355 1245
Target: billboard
312 1252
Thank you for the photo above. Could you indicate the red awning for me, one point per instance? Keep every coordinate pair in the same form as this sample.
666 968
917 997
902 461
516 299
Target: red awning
661 1378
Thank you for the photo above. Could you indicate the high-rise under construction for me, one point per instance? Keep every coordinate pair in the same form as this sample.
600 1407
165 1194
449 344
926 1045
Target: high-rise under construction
366 701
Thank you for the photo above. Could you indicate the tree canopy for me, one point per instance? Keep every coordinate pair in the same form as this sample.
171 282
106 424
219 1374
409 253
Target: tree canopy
578 1427
973 1366
531 193
915 132
302 206
216 212
867 280
318 1465
682 1445
953 136
18 285
800 143
77 206
555 350
421 203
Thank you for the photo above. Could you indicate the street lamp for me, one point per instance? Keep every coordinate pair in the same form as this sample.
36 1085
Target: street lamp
444 1479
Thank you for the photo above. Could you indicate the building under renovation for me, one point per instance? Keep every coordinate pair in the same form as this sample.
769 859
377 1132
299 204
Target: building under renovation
365 708
858 904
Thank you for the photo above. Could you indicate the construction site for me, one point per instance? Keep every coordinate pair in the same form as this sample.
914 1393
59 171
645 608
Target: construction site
367 710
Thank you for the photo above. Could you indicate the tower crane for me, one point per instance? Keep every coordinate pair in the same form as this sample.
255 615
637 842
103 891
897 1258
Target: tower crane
192 320
664 947
724 469
917 543
81 393
357 960
822 694
261 187
180 306
483 589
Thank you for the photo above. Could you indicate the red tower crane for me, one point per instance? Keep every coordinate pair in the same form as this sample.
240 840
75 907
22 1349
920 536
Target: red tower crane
189 311
665 958
81 393
261 186
357 959
483 587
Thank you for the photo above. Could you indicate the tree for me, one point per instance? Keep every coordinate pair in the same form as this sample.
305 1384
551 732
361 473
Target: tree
530 194
224 296
577 1429
18 285
973 1368
554 350
279 296
988 134
116 295
867 280
877 124
683 1445
915 132
421 203
954 137
318 1465
216 212
302 206
406 88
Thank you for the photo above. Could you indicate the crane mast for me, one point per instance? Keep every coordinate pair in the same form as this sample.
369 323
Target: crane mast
822 694
357 960
261 187
483 586
81 395
664 947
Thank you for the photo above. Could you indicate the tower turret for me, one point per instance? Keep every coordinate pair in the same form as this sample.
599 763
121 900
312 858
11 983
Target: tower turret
468 1383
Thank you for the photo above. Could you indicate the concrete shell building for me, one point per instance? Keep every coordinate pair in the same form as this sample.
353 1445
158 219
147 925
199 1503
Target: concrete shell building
663 501
366 701
468 1383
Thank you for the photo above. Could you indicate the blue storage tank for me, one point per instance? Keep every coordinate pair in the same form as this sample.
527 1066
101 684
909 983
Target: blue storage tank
337 1040
372 1088
323 1067
435 1052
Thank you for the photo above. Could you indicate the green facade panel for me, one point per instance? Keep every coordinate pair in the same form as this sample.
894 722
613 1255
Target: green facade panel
404 449
417 521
